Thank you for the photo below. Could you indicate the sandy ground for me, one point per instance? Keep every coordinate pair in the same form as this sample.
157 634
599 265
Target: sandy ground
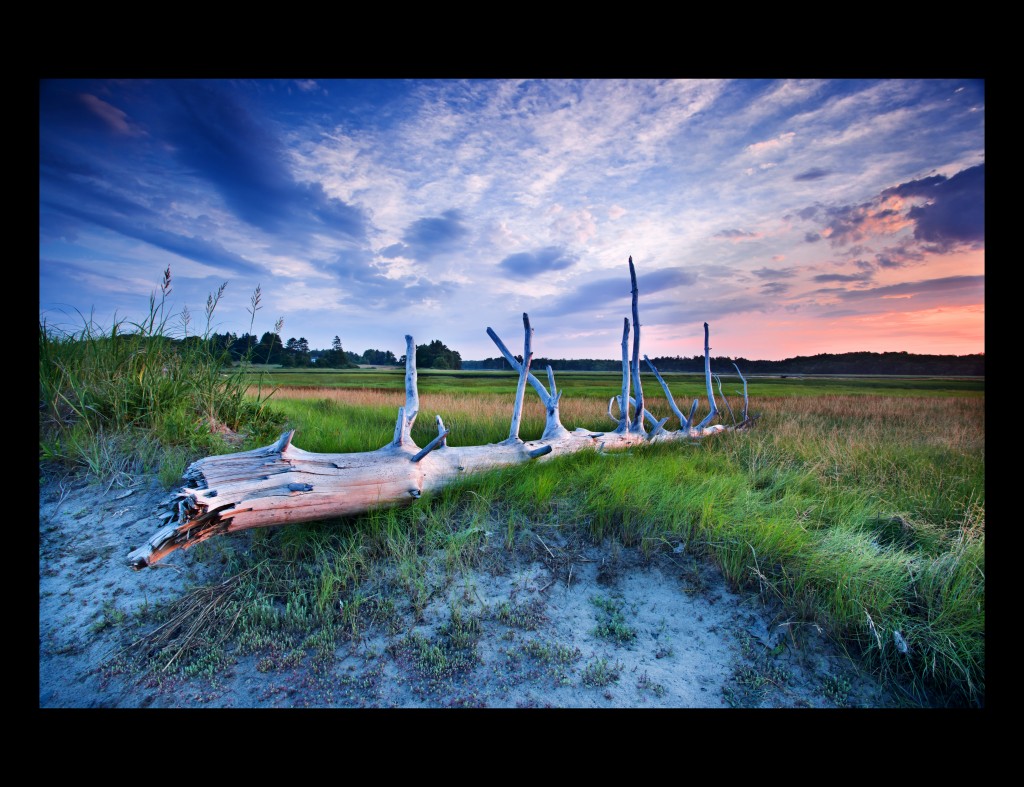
556 623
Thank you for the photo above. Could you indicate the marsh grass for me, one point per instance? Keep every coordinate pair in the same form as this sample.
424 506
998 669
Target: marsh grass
111 398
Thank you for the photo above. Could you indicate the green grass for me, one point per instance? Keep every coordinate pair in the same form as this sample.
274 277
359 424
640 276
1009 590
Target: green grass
112 399
601 385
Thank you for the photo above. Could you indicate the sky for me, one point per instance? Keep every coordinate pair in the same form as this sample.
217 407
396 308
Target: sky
794 216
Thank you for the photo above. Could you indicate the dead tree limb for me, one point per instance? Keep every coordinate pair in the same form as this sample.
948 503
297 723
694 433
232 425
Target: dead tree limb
746 401
683 422
624 400
282 484
707 379
524 371
638 417
725 399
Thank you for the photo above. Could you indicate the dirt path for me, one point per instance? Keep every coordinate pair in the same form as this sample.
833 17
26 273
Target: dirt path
560 624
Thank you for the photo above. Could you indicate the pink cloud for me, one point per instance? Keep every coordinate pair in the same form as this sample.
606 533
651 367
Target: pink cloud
115 118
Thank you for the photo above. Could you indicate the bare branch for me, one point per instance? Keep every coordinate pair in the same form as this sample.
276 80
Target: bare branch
552 425
441 431
538 386
407 415
624 401
430 447
524 371
638 416
659 427
283 442
725 399
683 423
745 400
707 379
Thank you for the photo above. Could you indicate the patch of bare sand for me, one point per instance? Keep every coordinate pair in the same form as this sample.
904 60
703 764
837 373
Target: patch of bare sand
557 622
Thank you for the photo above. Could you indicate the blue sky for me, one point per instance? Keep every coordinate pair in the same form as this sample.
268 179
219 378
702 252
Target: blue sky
794 216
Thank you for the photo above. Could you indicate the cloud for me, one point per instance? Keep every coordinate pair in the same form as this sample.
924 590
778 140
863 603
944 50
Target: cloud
221 142
956 212
395 250
898 256
606 293
527 264
943 286
94 193
815 173
842 277
768 145
363 280
734 234
306 85
925 187
811 237
116 119
577 226
425 238
853 223
775 273
952 213
775 288
194 248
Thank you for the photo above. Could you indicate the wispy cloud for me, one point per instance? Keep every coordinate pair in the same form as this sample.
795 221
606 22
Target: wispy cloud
220 141
842 277
771 145
116 119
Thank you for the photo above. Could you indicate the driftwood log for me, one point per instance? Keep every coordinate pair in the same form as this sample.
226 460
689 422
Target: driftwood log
281 484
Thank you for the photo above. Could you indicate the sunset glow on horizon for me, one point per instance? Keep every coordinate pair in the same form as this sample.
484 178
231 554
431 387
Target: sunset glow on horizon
796 217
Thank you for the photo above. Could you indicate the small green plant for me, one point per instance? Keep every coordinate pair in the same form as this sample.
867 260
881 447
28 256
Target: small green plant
836 689
109 616
611 623
528 615
644 683
601 673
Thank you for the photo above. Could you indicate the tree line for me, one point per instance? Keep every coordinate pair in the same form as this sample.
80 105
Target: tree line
898 363
270 348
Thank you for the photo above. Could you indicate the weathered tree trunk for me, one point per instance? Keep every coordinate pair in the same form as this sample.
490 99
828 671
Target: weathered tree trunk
283 484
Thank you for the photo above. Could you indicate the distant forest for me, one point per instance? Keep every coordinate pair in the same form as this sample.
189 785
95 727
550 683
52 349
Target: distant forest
901 363
271 348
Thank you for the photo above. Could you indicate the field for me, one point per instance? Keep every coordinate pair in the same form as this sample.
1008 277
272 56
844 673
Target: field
854 511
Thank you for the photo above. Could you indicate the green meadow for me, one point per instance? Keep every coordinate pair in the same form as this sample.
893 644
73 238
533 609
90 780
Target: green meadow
606 384
856 503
